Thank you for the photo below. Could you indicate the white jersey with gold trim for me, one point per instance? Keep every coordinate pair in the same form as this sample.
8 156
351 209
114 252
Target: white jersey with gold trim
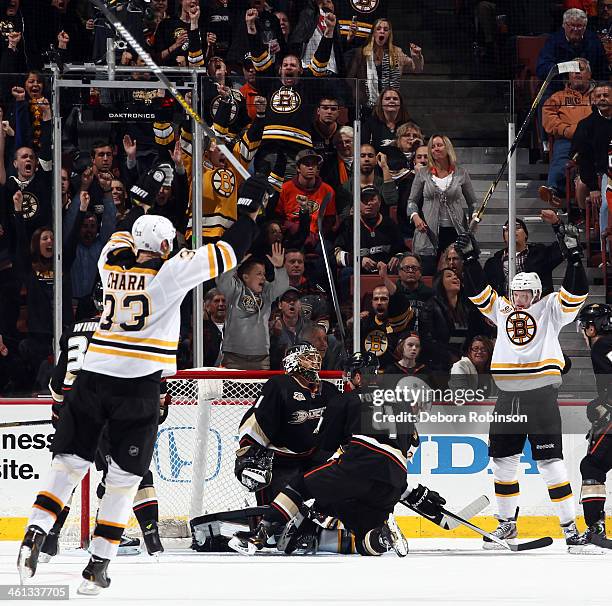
139 328
527 353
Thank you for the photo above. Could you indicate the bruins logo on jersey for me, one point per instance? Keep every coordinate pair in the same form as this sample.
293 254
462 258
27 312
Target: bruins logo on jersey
285 101
178 32
224 182
30 205
521 328
377 342
251 304
365 6
214 106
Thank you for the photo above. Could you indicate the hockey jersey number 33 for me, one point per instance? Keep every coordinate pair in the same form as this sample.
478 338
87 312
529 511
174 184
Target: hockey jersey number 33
139 328
527 352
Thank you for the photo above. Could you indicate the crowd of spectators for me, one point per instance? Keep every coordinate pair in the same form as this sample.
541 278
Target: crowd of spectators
272 88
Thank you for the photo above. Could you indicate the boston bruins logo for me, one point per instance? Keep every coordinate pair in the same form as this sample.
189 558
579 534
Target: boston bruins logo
223 182
521 328
285 101
214 106
365 6
30 205
251 304
377 342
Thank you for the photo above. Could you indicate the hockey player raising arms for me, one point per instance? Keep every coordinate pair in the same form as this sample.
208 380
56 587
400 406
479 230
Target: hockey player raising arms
526 366
119 384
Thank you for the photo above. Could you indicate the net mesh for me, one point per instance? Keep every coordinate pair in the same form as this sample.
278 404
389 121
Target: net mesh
193 469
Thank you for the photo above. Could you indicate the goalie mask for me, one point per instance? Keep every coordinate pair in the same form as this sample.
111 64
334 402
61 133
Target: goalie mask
525 281
149 231
304 360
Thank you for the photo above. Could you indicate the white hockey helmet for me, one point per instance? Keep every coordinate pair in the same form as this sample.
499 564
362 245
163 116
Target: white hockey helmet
149 231
527 280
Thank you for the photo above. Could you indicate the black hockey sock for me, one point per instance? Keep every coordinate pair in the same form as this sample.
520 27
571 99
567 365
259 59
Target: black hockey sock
60 521
593 511
146 508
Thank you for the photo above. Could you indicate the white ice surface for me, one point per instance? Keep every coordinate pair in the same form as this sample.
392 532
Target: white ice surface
436 572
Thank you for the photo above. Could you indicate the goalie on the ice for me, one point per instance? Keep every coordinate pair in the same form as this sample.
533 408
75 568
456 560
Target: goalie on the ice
359 485
277 435
526 365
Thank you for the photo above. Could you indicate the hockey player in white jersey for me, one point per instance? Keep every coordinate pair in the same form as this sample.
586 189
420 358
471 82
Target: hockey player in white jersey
119 385
526 365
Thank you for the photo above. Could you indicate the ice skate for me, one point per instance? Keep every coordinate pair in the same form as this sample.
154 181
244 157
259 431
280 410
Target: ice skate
506 530
95 576
129 546
591 542
29 552
393 537
249 543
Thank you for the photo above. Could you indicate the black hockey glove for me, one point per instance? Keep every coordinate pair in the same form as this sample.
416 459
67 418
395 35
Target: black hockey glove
56 411
426 502
467 246
253 467
146 190
569 241
253 195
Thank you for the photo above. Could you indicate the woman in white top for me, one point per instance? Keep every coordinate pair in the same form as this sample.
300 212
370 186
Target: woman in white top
441 194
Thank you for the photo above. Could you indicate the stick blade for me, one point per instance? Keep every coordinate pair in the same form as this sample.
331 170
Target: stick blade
568 66
469 511
535 544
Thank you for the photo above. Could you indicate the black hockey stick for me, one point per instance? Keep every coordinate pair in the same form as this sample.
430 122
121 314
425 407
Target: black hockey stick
24 423
330 278
469 511
526 546
171 88
559 68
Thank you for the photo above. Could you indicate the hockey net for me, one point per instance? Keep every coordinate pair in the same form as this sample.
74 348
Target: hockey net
193 460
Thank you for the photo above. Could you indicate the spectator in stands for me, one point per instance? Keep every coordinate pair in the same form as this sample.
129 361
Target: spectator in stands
437 200
308 31
539 258
172 39
374 172
403 178
287 327
445 322
325 126
604 27
29 107
380 64
571 41
306 189
330 348
215 309
219 28
410 284
285 131
356 20
336 170
295 266
91 239
407 359
451 259
389 320
34 266
592 144
246 340
388 114
248 90
408 137
381 242
473 370
13 50
560 115
120 199
285 25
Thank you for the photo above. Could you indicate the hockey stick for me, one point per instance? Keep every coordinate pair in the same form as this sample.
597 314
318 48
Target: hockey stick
469 511
332 286
528 545
559 68
171 88
24 423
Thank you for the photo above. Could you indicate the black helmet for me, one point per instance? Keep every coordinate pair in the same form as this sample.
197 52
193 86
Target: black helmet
97 295
365 363
597 314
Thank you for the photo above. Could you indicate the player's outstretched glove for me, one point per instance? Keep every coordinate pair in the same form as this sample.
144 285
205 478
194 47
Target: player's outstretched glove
467 246
253 467
569 241
148 186
253 195
426 502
